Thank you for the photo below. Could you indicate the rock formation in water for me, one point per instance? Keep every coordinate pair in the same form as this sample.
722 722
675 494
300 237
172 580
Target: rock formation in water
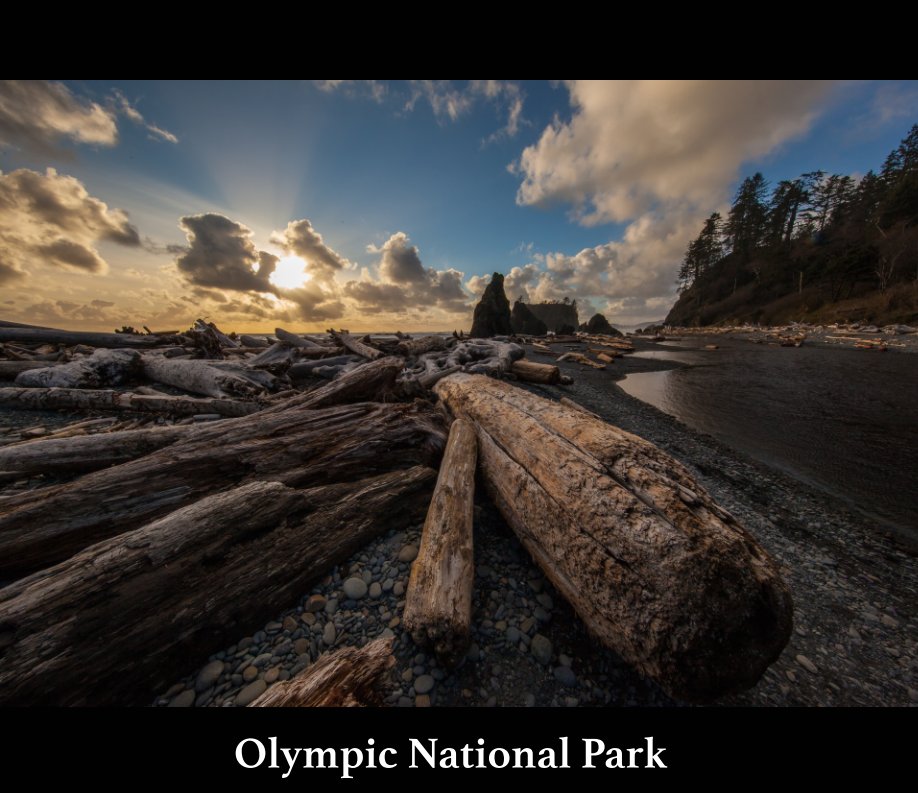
492 314
599 324
524 321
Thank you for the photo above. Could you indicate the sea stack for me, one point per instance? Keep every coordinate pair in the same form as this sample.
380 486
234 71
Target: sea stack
492 314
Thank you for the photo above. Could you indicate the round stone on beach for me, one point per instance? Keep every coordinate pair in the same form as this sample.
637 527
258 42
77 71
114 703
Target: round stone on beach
315 603
208 676
249 674
375 589
423 684
329 634
355 588
408 554
250 693
183 700
541 648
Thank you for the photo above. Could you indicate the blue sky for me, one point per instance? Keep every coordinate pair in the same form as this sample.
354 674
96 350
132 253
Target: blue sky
401 198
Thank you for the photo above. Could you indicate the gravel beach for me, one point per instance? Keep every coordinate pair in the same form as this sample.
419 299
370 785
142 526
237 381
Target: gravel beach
855 591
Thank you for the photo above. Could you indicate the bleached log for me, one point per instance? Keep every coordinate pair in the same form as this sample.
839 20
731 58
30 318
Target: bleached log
55 336
89 399
124 617
438 606
355 346
533 372
303 369
254 341
655 569
370 381
198 377
295 445
345 678
104 367
295 340
409 347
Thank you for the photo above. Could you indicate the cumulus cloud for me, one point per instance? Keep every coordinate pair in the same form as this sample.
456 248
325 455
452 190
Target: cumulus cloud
373 89
449 101
221 254
658 156
301 239
131 112
40 115
51 219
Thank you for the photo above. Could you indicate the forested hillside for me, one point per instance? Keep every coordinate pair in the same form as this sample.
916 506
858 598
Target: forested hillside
822 247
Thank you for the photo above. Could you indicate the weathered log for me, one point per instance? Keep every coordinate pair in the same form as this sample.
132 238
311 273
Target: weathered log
90 399
278 353
533 372
303 369
371 381
199 377
346 678
298 446
104 367
254 341
296 341
10 369
355 346
122 619
409 347
87 452
576 406
438 606
656 570
55 336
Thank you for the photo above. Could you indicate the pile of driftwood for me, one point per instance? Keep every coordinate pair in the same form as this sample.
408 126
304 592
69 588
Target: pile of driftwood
143 547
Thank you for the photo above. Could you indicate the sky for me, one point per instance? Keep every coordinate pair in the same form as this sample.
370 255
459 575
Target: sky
374 205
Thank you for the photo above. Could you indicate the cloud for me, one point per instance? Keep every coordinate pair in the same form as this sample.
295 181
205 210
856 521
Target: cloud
449 101
302 239
40 115
50 219
130 112
400 262
658 156
372 89
221 254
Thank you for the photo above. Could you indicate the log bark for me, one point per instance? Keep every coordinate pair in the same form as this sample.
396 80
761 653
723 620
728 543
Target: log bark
10 369
198 377
533 372
346 678
438 606
254 341
123 618
89 399
656 570
87 452
371 381
103 368
297 446
356 346
410 347
304 369
55 336
297 341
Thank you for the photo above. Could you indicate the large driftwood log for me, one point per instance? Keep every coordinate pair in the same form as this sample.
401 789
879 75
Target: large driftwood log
89 399
371 381
199 377
409 347
123 618
87 452
301 342
656 570
438 606
10 369
346 678
103 368
298 446
304 369
533 372
55 336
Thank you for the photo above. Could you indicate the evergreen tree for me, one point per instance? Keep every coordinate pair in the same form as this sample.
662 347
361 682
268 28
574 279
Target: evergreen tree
746 222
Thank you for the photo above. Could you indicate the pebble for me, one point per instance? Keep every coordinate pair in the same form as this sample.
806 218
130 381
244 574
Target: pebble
308 618
329 634
315 603
355 588
564 660
331 608
565 676
272 674
375 589
889 622
806 663
274 627
249 674
408 554
301 646
399 589
208 676
423 684
290 624
183 700
250 693
529 700
541 648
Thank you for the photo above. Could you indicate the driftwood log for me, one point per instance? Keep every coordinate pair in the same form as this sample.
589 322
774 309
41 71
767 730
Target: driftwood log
533 372
103 368
656 570
183 585
346 678
297 446
200 377
10 369
438 606
90 399
356 346
55 336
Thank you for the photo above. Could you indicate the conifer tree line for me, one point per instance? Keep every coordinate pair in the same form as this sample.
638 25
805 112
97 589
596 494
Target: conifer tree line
832 233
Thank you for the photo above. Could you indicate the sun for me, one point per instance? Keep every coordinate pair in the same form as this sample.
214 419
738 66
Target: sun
290 273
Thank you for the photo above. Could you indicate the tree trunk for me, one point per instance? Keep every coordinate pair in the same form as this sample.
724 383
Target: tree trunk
103 368
533 372
87 452
298 446
54 336
438 607
346 678
410 347
122 619
88 399
656 570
